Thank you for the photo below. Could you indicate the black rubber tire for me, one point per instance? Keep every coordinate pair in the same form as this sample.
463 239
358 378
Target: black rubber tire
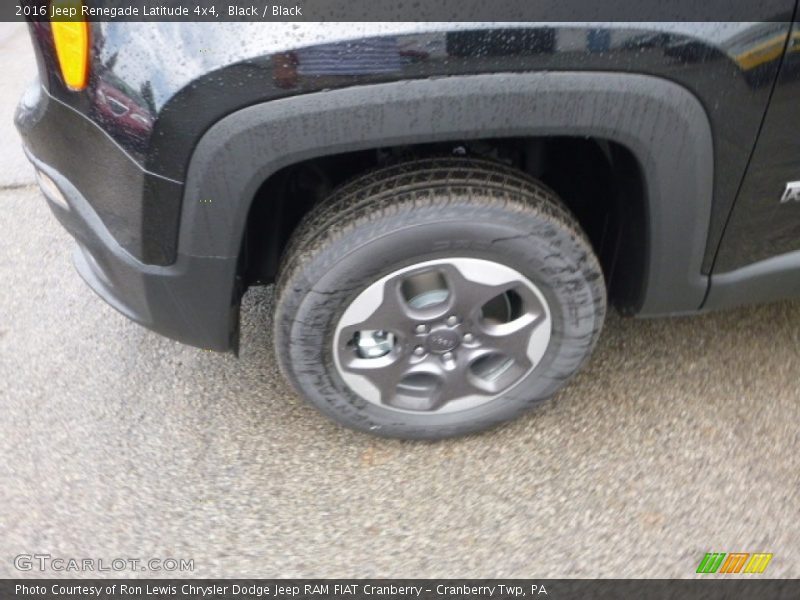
424 210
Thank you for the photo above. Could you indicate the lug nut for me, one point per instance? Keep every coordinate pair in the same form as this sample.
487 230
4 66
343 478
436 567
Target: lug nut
468 338
452 320
447 356
421 328
419 350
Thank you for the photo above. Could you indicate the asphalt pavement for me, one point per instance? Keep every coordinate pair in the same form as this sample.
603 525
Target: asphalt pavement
679 438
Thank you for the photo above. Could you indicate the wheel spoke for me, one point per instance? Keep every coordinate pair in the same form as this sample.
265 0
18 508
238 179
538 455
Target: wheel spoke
386 310
473 290
422 388
382 374
515 338
460 385
468 295
399 383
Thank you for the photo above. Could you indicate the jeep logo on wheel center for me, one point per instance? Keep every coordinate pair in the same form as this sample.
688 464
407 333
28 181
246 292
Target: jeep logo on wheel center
443 341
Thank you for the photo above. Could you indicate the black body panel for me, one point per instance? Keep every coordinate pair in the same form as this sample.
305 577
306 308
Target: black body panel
759 258
761 226
184 301
137 207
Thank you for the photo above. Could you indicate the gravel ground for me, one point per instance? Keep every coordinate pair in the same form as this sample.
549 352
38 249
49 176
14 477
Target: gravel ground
680 437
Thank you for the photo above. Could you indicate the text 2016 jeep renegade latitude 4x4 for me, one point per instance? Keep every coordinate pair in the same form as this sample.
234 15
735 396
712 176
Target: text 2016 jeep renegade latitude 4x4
446 209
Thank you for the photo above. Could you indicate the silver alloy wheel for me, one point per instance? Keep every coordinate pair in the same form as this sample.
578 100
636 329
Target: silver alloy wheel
442 336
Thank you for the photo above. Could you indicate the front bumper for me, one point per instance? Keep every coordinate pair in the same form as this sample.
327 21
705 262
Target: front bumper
192 300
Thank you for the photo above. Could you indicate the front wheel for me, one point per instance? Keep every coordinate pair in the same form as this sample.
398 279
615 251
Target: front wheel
436 298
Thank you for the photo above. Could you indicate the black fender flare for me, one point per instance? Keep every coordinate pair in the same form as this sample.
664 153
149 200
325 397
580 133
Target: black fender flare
660 122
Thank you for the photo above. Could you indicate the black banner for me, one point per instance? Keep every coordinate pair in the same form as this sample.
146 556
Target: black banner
731 588
391 10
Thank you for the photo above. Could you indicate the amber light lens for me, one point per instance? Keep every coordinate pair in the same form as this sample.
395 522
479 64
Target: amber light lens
71 38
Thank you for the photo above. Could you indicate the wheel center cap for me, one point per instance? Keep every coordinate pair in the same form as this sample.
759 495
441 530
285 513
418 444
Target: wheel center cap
443 341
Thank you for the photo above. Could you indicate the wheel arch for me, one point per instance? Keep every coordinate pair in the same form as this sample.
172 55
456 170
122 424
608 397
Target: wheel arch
662 124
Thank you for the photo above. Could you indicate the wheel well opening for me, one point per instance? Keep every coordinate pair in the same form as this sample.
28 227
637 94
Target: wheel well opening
599 180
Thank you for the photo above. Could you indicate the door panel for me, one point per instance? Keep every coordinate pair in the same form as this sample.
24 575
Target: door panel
761 225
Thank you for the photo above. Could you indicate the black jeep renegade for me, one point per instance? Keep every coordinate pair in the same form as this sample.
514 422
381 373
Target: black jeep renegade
446 209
